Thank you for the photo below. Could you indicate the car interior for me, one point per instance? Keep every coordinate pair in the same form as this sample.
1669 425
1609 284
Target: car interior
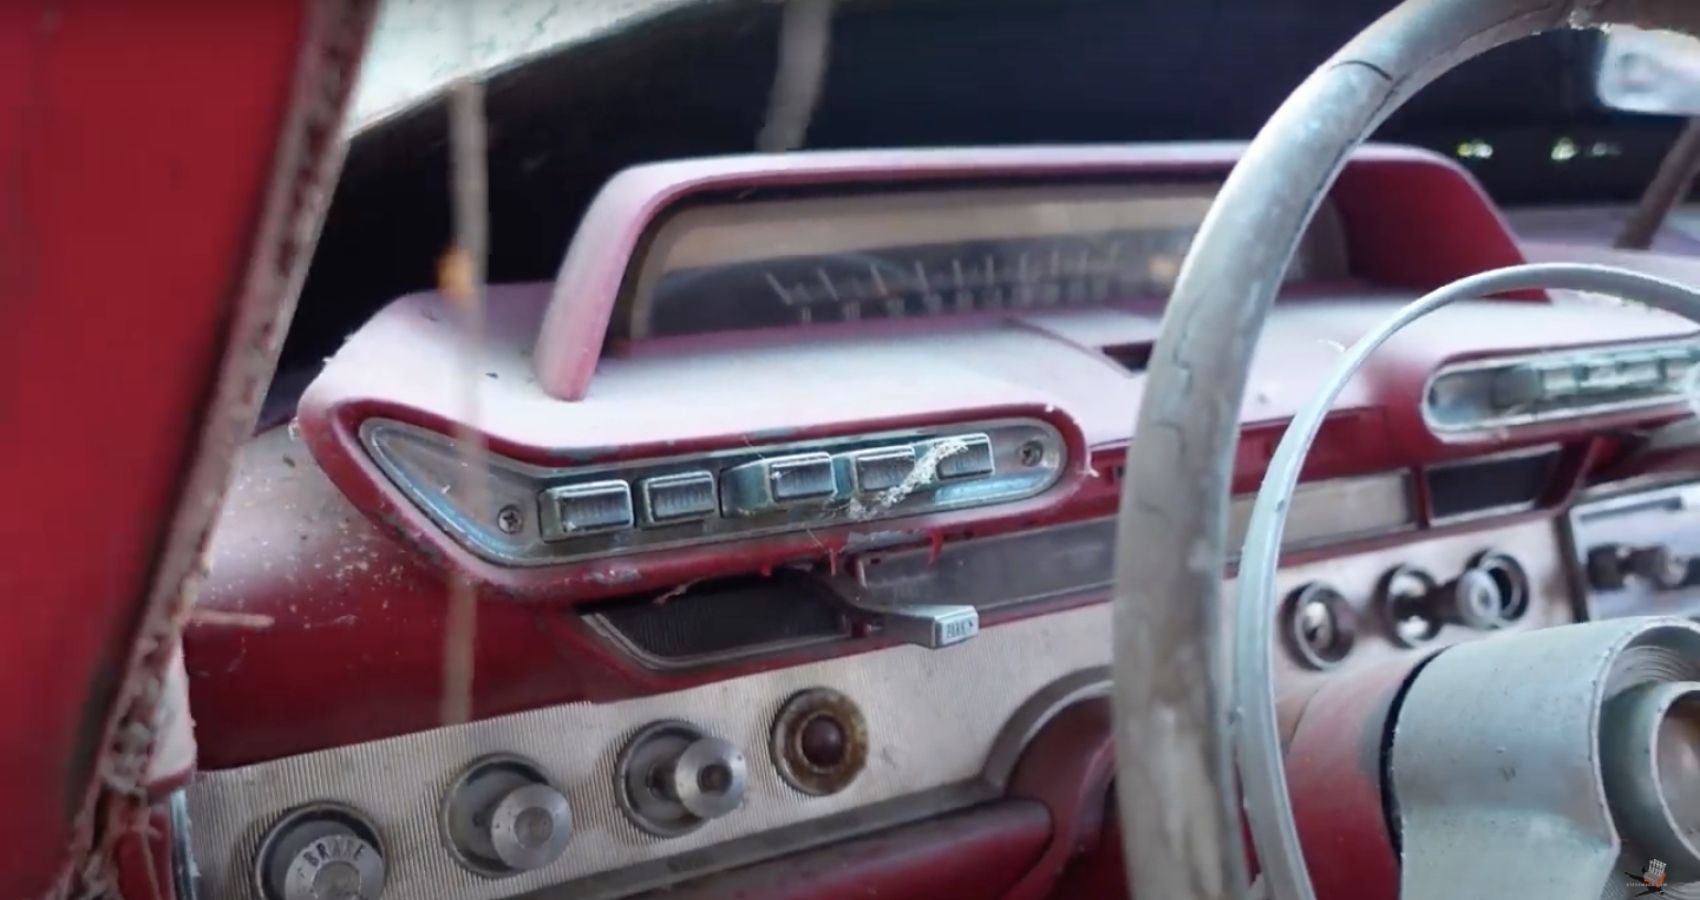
1089 449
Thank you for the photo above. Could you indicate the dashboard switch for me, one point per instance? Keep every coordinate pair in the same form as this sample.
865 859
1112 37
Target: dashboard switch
1319 625
972 460
1659 566
586 508
709 777
932 625
881 469
672 777
1610 566
1605 568
806 477
1472 600
1403 596
819 741
769 484
1491 593
320 853
1516 388
502 817
684 497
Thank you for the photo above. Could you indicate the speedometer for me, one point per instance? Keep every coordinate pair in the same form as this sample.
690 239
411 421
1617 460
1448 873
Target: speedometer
734 265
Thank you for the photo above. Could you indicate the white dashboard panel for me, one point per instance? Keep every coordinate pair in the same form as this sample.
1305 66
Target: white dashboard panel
938 720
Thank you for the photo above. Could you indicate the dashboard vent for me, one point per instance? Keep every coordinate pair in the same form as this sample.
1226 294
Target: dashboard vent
722 620
1501 484
1551 386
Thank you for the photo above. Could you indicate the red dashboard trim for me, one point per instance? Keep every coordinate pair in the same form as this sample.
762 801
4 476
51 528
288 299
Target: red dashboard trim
137 147
1068 767
1334 774
972 855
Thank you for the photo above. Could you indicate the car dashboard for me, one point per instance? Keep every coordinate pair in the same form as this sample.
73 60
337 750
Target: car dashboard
790 510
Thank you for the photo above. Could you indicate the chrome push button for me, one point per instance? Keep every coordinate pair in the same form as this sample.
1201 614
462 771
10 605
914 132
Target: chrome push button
685 497
586 508
769 484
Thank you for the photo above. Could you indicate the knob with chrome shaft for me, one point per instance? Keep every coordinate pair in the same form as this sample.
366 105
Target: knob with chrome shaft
708 778
1491 593
321 852
1660 566
1610 567
673 778
1472 600
502 817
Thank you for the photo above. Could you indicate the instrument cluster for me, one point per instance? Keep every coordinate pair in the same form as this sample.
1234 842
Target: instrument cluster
724 264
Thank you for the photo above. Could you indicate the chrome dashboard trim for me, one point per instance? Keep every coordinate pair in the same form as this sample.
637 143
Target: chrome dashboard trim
1550 357
422 464
1338 509
945 726
185 876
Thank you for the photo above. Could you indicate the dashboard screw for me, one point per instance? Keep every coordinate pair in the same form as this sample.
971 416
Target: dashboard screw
1031 453
508 519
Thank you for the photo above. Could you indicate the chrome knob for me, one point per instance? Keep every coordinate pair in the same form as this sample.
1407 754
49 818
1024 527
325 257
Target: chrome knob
1611 565
1660 566
672 777
530 827
708 778
343 867
1473 600
1491 593
502 817
321 853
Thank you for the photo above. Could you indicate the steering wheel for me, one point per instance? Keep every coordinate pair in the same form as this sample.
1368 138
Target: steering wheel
1175 714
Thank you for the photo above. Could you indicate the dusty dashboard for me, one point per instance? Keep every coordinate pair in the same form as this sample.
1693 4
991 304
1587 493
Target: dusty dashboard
838 437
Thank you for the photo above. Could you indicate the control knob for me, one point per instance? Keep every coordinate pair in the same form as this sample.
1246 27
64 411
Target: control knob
1472 600
502 817
1610 567
326 852
1492 592
673 777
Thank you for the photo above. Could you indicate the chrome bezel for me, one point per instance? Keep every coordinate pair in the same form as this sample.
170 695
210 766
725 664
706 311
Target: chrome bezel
423 464
1553 358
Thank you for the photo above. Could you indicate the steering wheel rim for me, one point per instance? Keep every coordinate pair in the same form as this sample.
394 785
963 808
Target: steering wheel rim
1174 757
